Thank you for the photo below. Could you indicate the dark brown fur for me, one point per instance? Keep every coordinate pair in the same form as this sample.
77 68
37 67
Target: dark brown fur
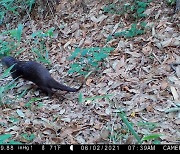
35 72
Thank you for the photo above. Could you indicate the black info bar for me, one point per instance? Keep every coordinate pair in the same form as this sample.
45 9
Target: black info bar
90 147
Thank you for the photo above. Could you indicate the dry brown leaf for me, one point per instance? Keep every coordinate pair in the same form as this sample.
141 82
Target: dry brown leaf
164 84
98 126
147 50
88 82
105 134
48 131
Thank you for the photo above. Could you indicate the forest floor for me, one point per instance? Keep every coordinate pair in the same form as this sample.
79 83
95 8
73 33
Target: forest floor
138 75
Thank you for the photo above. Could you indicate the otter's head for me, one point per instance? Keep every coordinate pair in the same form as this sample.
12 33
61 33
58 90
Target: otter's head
8 61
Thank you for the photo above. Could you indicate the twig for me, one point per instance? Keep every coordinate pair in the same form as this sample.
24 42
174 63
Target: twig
157 58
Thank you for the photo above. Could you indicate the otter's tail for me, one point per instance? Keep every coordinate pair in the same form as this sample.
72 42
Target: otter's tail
56 85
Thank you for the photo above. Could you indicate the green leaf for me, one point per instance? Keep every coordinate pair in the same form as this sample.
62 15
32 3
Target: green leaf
139 32
124 118
46 61
4 137
1 91
10 85
142 15
40 104
83 73
149 125
151 137
109 38
94 49
129 34
140 10
108 49
76 67
88 59
71 71
16 33
100 56
84 52
171 2
80 98
14 142
50 32
141 4
75 53
28 104
22 94
118 34
13 119
6 72
28 137
156 142
19 32
37 33
93 63
143 24
30 3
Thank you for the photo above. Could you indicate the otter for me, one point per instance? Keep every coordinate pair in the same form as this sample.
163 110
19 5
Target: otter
35 72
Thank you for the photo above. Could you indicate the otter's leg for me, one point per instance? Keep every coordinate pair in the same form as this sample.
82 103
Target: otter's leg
47 90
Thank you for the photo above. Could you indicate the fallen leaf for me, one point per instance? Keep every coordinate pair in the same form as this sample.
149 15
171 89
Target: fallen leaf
133 114
174 93
20 113
80 139
15 128
100 19
66 119
98 126
105 134
108 111
147 50
88 82
62 111
164 84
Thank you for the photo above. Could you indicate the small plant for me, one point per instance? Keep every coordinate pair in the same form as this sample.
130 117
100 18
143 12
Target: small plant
4 89
32 100
135 30
17 33
36 42
28 137
134 8
87 60
112 8
39 44
171 2
152 137
129 126
14 39
14 8
5 139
